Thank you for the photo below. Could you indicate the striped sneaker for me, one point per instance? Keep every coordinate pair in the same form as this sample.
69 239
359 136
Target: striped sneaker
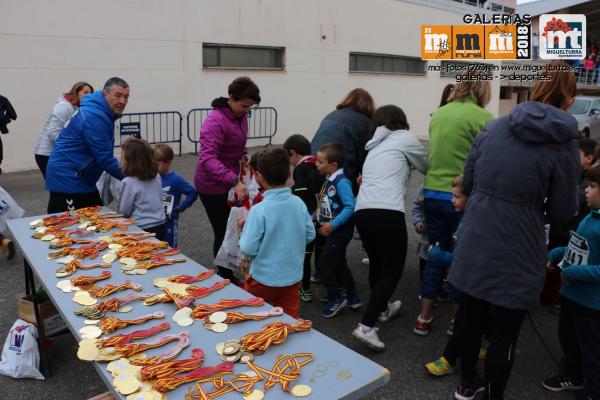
561 382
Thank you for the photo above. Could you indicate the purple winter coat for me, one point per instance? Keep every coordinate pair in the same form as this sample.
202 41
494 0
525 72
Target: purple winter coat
222 144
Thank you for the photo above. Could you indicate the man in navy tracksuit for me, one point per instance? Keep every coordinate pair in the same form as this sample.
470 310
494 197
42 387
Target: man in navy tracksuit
84 149
335 214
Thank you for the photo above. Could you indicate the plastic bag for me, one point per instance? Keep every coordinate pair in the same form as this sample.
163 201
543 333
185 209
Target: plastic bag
109 188
248 178
20 355
9 209
229 254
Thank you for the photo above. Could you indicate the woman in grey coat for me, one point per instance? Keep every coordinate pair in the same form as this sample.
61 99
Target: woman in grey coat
518 164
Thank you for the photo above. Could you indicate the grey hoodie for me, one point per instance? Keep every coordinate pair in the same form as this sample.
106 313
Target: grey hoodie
386 171
515 163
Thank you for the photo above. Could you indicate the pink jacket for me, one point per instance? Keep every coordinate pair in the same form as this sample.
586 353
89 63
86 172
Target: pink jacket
222 145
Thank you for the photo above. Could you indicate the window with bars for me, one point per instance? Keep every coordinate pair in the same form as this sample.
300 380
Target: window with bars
386 64
242 57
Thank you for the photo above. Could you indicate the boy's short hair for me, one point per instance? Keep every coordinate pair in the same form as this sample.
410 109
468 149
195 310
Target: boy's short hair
457 182
588 146
274 165
334 152
593 174
298 143
163 152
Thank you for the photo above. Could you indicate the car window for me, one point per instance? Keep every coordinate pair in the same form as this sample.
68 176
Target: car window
596 105
579 106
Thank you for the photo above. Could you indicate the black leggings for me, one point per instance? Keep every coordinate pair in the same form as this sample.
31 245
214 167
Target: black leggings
315 247
504 324
42 163
384 237
217 210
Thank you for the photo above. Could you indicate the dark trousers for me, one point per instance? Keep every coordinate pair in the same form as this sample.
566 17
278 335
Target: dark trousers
504 325
217 210
60 202
159 230
332 267
579 335
442 222
42 163
315 247
384 237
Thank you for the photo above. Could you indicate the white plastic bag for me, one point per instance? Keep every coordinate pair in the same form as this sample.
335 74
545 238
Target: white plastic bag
248 178
229 254
9 209
20 355
109 188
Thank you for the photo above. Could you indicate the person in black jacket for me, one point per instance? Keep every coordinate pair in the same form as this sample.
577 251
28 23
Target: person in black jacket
307 184
7 114
349 125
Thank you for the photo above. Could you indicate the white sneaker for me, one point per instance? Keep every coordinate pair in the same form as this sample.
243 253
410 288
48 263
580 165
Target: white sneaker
392 310
370 338
365 261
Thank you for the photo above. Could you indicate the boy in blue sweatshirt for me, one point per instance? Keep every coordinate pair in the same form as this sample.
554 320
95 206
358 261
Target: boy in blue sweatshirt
579 322
275 236
335 212
173 187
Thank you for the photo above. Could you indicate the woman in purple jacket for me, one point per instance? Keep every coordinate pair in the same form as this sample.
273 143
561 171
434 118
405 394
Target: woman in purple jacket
222 147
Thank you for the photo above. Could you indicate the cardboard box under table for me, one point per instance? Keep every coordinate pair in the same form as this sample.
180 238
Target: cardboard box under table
336 372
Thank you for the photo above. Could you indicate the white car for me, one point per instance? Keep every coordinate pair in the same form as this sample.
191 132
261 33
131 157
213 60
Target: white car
586 110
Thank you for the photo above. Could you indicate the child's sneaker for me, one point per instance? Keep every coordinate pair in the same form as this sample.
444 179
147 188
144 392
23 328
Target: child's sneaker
392 310
422 327
353 302
561 382
369 338
468 392
450 330
365 261
439 367
482 353
324 298
332 307
306 295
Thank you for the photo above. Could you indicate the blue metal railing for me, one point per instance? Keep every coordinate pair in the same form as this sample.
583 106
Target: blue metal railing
262 123
155 127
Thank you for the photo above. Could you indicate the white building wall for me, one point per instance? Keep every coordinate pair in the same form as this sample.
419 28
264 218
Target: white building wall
156 45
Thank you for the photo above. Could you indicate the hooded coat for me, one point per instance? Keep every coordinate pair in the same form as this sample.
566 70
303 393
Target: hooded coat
84 149
515 164
223 139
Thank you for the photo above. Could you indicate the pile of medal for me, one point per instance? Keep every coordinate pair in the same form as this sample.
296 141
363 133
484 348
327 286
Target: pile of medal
232 351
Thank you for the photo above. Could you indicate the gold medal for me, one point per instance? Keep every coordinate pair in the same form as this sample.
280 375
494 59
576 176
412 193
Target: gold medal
65 260
127 261
87 351
91 322
47 238
83 225
106 239
91 228
219 327
115 246
140 271
41 229
128 386
255 395
217 317
125 309
109 258
117 365
84 299
35 223
65 285
231 348
90 332
301 390
219 348
247 357
233 357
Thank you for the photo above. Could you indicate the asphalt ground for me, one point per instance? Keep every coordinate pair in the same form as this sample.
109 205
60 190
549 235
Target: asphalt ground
405 354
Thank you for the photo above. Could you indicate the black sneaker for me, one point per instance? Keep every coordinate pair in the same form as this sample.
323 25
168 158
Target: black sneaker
561 382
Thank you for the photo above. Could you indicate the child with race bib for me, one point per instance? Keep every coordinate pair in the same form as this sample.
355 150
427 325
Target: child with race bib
579 321
173 186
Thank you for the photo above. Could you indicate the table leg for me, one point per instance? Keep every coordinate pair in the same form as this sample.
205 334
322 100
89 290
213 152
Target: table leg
30 291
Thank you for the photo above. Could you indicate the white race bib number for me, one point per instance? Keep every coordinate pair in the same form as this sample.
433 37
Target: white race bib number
168 201
577 252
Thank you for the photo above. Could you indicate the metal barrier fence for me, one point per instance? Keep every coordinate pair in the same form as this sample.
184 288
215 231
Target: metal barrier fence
155 127
588 76
262 123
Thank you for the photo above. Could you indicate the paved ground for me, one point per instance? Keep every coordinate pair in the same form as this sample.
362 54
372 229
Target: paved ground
405 355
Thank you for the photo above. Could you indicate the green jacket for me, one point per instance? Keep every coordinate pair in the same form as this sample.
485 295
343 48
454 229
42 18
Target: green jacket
452 131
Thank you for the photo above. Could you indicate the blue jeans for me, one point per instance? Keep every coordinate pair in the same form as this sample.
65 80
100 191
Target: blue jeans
442 222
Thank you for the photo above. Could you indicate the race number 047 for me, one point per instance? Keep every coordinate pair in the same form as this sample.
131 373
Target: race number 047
523 42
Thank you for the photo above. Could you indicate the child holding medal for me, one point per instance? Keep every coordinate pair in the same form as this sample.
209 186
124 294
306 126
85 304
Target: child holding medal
335 213
579 320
